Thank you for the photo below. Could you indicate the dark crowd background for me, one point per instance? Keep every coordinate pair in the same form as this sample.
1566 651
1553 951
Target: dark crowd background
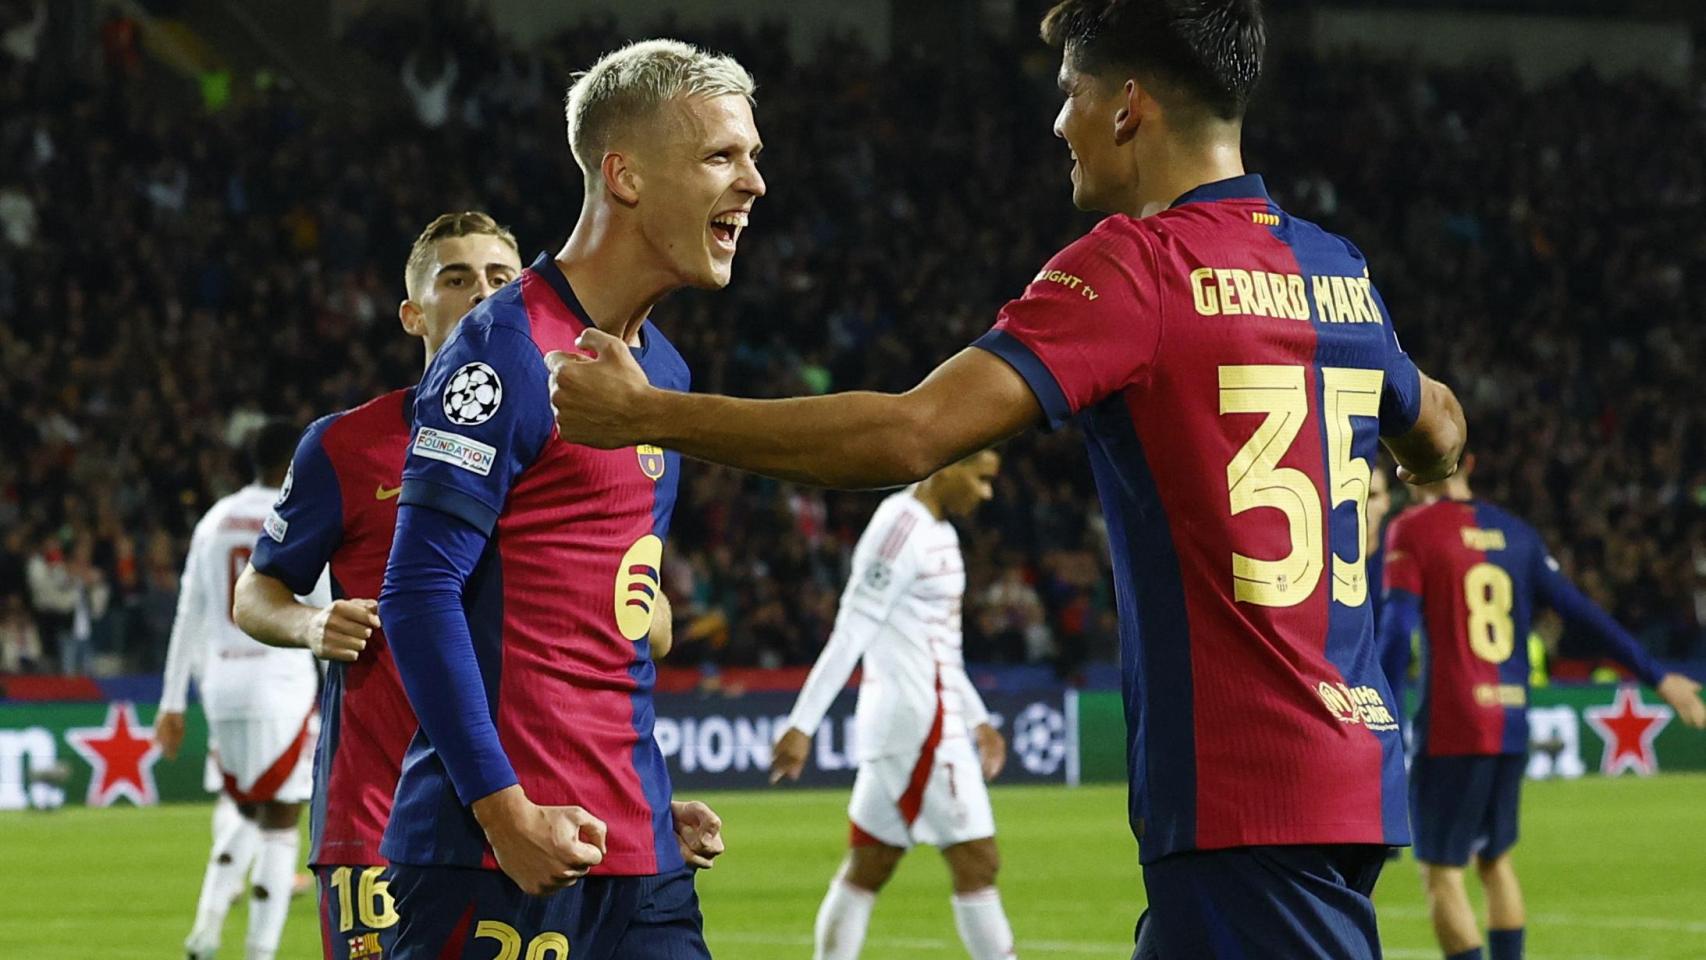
173 270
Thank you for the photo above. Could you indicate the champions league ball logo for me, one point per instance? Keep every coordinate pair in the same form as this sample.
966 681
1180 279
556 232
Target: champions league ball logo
1039 739
473 395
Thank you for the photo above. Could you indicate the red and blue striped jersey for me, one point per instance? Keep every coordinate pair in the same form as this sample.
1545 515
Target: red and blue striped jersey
557 600
1479 573
338 509
1232 367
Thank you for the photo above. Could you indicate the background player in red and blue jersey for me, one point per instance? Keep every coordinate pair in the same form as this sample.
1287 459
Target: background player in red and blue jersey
339 510
524 570
1471 575
1233 369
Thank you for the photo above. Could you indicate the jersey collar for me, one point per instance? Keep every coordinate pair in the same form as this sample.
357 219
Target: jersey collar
1246 187
546 267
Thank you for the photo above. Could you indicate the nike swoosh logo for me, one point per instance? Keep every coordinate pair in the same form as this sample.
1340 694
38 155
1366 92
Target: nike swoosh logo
384 494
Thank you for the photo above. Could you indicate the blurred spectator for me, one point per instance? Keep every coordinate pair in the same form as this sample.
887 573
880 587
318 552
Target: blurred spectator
53 596
20 641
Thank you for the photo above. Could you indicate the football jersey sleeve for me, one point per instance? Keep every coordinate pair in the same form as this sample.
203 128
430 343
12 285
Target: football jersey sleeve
482 415
882 565
1401 391
306 525
1557 592
1087 326
186 650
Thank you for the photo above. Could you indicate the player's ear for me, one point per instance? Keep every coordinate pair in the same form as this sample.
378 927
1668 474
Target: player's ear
412 317
1129 116
620 178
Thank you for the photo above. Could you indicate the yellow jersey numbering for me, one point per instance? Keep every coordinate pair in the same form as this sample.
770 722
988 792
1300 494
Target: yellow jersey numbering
637 586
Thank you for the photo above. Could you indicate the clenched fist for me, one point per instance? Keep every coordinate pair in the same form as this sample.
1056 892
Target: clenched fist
598 399
341 629
542 849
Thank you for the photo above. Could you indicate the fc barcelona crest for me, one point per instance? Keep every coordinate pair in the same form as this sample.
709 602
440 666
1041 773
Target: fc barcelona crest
651 460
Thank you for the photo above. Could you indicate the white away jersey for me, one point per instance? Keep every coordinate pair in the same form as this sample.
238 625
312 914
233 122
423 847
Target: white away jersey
237 675
900 612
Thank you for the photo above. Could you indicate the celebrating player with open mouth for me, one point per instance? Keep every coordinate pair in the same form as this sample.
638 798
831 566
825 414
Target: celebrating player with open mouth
1233 369
524 572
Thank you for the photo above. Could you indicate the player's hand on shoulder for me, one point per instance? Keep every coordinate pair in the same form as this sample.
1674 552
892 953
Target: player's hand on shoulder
991 750
341 629
1683 695
542 849
598 399
169 733
699 831
788 756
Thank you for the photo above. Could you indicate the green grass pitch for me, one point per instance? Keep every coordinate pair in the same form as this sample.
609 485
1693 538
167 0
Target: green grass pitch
1613 869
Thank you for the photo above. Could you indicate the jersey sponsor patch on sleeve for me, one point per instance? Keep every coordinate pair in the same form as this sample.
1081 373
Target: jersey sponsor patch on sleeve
473 394
453 448
276 526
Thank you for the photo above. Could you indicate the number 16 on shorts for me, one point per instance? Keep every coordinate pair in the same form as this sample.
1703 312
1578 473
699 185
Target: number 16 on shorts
357 917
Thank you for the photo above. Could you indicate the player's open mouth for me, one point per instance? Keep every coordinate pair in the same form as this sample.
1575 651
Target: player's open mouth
726 228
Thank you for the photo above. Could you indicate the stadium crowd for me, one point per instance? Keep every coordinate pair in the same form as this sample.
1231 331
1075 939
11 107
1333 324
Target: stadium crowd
172 273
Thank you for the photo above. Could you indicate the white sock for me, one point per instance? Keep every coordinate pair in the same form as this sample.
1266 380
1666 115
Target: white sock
842 920
983 925
269 903
235 842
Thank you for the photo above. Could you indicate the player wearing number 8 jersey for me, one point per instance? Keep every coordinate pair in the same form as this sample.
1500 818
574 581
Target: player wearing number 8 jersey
1472 575
1232 368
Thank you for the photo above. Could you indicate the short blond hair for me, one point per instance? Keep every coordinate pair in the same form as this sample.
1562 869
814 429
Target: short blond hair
631 83
448 226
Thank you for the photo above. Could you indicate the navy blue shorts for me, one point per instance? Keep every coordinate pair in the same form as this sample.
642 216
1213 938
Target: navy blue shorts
1464 806
1257 903
357 918
455 913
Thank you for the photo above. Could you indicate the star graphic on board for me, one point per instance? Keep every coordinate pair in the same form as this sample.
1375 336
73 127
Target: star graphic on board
1628 728
121 758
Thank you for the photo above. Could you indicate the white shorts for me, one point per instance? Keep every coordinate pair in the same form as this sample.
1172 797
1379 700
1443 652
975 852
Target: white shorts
266 759
899 803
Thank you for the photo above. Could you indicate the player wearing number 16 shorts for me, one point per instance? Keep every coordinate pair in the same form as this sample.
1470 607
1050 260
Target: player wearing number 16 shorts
338 513
259 703
1471 575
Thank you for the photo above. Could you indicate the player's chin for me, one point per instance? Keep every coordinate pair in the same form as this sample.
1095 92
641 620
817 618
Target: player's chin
715 273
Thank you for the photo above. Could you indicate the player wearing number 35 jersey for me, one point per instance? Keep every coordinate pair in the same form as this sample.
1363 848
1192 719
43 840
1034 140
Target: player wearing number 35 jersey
1233 369
1472 575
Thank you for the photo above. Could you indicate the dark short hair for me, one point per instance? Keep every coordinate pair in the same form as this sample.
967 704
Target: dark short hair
270 448
1211 50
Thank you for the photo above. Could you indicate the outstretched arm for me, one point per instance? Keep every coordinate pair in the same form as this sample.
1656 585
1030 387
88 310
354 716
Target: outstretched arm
1682 693
859 439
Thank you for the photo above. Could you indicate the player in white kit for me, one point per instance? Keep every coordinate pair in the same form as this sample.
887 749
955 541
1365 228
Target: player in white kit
920 778
259 703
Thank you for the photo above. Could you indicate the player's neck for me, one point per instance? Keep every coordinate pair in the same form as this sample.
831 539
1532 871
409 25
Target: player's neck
924 494
1184 166
605 271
